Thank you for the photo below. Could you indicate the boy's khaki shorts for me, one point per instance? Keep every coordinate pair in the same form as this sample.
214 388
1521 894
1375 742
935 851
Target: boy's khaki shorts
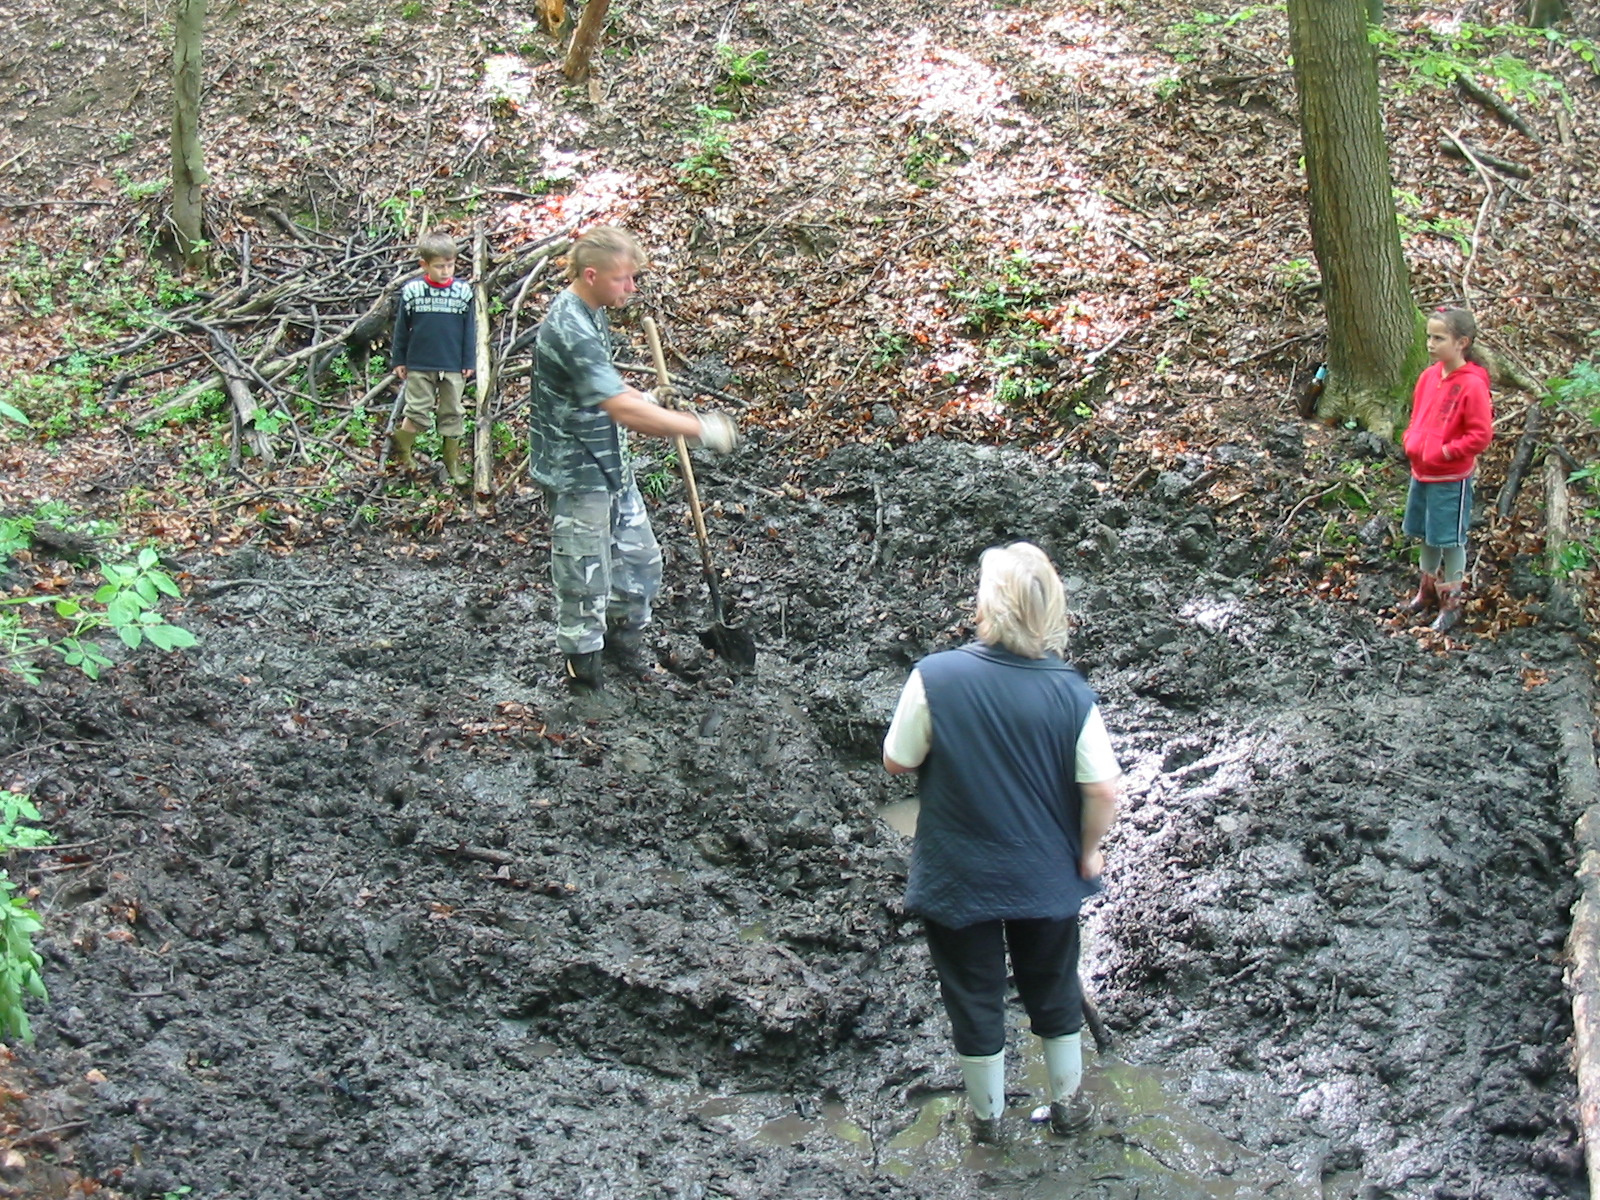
430 391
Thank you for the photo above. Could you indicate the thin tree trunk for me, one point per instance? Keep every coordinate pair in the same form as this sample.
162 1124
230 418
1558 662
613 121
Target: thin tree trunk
585 39
1376 342
188 162
483 420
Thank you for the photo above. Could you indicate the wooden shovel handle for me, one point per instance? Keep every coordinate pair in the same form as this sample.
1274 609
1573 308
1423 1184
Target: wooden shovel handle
663 378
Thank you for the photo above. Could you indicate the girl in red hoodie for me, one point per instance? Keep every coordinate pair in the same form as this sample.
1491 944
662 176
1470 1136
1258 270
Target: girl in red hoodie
1451 424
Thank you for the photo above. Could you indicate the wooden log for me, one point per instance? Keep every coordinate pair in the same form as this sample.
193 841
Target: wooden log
1504 165
1521 460
482 443
1579 781
244 409
1489 100
1556 516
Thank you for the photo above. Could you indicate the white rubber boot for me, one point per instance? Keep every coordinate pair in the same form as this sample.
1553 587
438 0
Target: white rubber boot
985 1076
1063 1062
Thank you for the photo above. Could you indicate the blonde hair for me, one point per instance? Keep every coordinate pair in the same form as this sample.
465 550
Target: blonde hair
602 246
1021 603
438 244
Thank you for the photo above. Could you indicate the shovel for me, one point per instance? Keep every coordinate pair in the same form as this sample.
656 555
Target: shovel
734 645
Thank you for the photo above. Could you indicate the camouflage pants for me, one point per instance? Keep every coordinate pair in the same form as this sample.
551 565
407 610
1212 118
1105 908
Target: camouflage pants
604 562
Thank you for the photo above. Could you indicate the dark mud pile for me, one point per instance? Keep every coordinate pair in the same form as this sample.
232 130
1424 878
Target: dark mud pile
362 904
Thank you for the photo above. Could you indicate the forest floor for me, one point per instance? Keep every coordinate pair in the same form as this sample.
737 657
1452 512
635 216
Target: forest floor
354 899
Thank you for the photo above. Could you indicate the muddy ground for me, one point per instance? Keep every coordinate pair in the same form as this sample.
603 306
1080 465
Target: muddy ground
359 902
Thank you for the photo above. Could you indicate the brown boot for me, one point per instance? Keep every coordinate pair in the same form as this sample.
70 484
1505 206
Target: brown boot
1427 595
400 442
451 453
1449 607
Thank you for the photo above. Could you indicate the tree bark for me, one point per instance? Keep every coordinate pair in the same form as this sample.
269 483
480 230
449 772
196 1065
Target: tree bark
585 39
188 162
1376 334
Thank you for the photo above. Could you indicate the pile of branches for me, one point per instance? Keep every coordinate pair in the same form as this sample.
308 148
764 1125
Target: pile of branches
295 308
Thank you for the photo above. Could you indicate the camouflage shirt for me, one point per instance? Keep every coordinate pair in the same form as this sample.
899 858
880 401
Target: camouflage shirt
573 446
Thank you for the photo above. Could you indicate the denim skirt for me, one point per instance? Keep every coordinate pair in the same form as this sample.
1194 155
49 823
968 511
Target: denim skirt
1438 513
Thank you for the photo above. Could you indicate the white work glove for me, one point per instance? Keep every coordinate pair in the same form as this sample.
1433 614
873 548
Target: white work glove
718 433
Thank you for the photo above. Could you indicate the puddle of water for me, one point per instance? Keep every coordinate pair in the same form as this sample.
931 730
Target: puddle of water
901 816
1148 1143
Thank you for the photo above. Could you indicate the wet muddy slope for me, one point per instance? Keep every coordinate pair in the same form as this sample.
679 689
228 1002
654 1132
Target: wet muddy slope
363 904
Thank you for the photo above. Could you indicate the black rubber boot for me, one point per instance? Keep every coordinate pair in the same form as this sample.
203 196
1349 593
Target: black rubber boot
583 670
625 649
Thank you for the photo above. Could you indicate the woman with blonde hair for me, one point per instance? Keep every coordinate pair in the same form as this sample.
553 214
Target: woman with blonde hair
1018 783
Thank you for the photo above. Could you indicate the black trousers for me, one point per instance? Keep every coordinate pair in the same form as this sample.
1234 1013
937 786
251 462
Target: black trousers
971 962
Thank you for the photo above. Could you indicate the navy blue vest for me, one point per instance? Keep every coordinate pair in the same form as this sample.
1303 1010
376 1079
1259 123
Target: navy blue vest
1000 828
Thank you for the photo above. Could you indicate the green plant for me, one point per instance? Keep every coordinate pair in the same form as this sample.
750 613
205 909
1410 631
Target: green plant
740 71
889 348
504 439
1199 289
19 961
15 834
1577 390
658 482
139 189
402 212
1409 214
411 10
708 148
1442 56
1296 274
127 603
1166 88
1187 38
925 152
1006 299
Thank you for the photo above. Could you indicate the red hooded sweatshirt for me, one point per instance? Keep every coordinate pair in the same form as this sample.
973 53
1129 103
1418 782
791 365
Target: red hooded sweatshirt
1451 423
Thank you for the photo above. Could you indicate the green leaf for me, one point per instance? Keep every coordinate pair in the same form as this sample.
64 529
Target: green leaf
170 637
131 634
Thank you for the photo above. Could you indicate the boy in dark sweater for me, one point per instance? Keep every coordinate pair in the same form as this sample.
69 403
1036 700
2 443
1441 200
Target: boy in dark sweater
434 348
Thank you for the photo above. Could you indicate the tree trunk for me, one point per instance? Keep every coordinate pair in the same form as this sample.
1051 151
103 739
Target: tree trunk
483 381
1542 14
188 163
585 39
1376 335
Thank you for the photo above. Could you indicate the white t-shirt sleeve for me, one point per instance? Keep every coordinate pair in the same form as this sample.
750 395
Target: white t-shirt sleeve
910 735
1097 761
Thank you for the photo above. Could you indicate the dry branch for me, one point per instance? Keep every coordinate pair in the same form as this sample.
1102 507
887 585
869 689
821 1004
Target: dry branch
1476 156
1497 106
1521 460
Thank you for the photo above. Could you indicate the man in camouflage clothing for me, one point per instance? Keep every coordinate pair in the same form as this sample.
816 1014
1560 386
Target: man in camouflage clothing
604 560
